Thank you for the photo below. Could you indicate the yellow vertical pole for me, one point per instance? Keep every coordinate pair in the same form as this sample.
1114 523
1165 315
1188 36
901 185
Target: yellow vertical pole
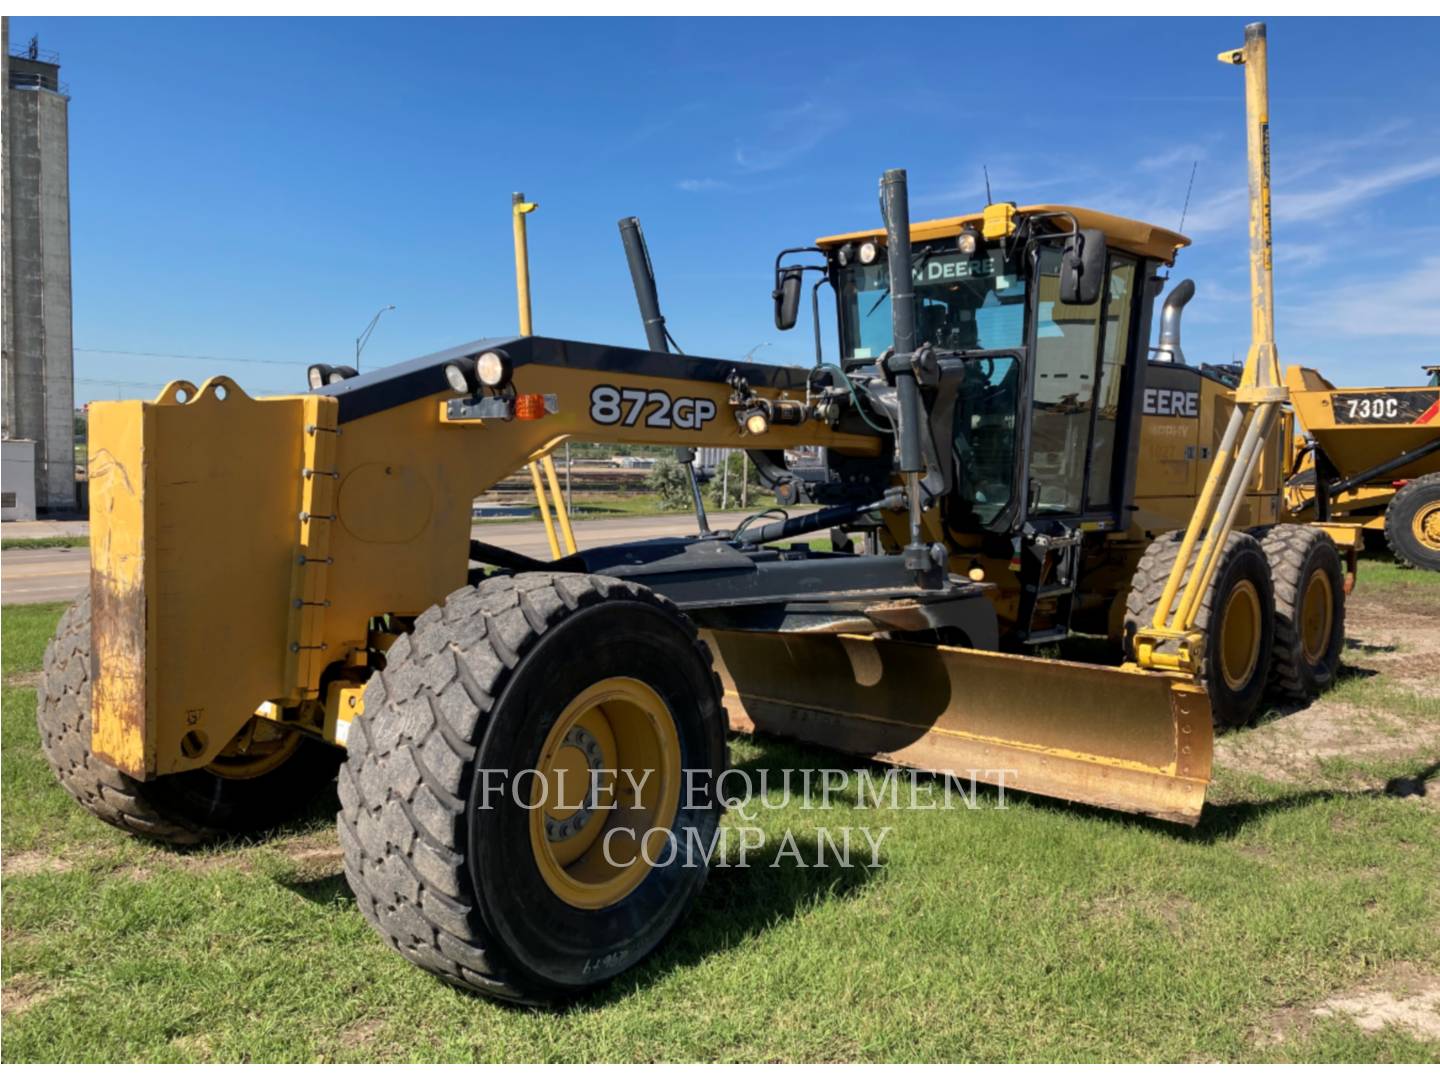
1260 393
1262 363
519 208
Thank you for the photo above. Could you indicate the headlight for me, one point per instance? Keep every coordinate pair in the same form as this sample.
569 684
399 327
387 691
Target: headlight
456 376
493 368
845 254
869 252
317 375
340 374
969 242
756 423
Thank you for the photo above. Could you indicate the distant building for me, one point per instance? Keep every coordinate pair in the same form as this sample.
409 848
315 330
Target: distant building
39 359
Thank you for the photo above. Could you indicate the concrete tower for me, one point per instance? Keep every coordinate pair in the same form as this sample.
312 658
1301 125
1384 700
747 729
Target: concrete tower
39 359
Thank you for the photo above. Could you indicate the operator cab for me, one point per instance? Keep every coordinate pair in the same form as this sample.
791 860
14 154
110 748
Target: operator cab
1027 368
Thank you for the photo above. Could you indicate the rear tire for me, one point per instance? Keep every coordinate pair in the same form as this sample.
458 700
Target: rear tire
448 860
1412 523
1309 587
183 808
1237 615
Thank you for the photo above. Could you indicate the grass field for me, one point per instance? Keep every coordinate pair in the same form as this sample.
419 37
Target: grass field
31 543
1302 913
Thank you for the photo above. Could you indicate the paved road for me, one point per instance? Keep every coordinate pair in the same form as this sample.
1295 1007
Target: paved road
46 574
30 577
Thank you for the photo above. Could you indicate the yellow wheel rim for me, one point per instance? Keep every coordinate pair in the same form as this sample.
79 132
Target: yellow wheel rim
259 747
1317 617
1426 525
606 792
1240 636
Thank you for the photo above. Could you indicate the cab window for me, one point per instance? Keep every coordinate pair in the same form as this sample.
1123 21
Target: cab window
1079 366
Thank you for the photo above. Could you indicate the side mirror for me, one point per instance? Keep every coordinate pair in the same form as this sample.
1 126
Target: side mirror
787 296
1082 268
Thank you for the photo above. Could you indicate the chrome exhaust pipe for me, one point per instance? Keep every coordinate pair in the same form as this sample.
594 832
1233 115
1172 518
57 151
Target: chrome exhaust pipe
1169 350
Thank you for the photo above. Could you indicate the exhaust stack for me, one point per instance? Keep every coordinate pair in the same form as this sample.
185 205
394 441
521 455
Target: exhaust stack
1169 351
642 274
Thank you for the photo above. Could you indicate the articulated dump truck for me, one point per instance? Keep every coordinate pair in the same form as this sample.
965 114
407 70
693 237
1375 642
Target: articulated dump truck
1370 456
531 749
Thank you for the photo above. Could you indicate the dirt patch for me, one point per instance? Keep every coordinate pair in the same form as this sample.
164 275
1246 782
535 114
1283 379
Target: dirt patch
33 862
23 992
1404 997
1393 659
24 680
314 860
1412 1004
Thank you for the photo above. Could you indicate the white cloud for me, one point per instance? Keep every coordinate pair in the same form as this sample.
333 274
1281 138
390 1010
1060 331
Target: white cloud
1180 155
1366 307
707 183
790 134
1347 190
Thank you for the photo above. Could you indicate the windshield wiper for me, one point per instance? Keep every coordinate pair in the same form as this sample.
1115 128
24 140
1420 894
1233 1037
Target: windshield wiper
914 265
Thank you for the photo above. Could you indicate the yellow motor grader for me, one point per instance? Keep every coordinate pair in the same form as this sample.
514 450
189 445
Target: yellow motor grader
530 785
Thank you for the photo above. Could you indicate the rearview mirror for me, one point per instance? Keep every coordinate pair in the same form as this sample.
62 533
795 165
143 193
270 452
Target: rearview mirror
1082 268
787 296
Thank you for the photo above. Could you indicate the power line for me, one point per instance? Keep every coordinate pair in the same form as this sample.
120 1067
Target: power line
161 384
1188 189
186 356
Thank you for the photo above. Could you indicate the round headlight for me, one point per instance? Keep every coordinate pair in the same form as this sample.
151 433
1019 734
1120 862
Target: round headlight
317 375
493 368
340 374
869 252
844 255
455 376
757 424
969 242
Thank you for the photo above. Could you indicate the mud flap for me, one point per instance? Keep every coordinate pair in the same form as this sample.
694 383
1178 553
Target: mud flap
1119 738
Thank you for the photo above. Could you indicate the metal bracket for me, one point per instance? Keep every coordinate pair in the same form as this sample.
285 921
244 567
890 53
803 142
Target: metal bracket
489 408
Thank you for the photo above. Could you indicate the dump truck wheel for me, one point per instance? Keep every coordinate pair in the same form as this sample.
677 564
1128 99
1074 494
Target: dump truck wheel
489 831
1309 587
1237 614
1412 523
242 795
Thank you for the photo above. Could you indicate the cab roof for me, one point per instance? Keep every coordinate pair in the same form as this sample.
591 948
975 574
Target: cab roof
1127 234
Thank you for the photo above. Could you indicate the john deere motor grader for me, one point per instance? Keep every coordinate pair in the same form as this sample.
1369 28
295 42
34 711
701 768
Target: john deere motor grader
530 791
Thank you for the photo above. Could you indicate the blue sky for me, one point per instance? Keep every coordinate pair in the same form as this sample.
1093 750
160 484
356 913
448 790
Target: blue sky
257 189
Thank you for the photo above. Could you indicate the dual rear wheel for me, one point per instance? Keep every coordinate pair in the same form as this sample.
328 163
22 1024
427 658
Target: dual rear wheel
1273 616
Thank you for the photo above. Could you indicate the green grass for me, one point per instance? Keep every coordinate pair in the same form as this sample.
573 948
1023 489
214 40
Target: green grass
29 543
1034 932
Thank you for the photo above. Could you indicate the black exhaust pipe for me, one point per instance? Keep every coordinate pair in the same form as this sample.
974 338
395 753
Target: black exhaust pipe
642 274
657 338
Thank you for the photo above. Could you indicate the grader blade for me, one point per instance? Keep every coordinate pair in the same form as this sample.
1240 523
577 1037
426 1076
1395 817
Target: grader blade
1111 737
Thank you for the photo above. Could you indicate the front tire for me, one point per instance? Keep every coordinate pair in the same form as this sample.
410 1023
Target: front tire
1412 523
1237 616
236 796
461 857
